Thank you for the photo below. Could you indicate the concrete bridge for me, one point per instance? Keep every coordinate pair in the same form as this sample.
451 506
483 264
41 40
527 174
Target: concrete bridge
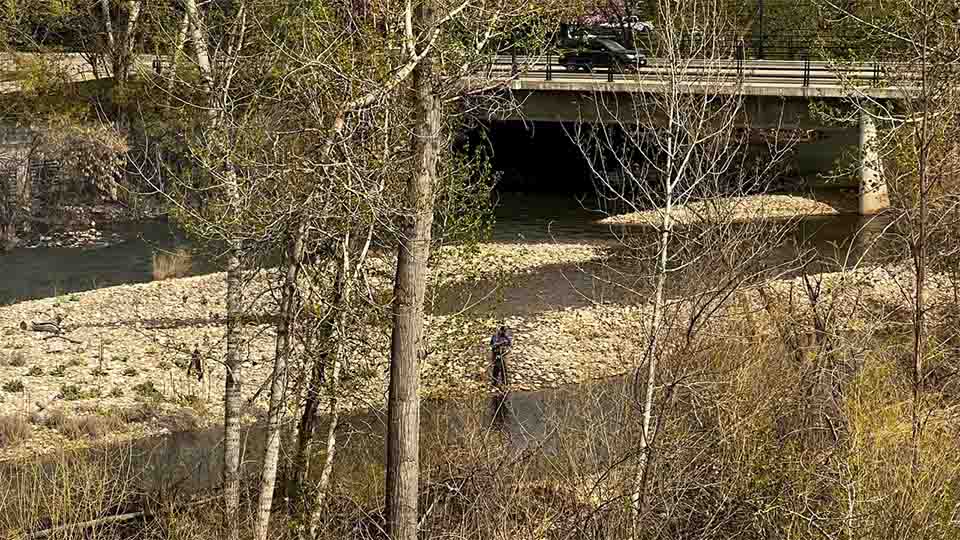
777 95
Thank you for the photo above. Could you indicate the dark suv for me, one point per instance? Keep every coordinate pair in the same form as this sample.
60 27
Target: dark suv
603 53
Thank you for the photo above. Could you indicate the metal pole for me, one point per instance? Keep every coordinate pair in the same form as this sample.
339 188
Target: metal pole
513 61
549 67
760 47
740 54
806 69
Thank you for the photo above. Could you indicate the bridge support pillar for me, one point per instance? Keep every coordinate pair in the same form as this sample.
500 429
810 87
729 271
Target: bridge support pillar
873 188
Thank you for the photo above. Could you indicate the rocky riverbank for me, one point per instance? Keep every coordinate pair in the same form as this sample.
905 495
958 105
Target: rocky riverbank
129 348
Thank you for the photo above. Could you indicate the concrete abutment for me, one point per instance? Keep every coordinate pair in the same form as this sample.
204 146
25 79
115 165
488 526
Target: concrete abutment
873 187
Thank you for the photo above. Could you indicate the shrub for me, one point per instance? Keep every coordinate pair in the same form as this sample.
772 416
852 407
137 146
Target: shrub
59 371
116 392
130 372
147 390
167 265
17 359
71 392
14 428
90 425
35 371
99 372
139 414
13 386
163 366
181 420
75 362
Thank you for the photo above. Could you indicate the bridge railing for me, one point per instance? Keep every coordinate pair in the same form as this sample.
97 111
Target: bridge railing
803 71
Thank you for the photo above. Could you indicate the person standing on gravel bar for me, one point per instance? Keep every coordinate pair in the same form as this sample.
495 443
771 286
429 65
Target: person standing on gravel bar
500 345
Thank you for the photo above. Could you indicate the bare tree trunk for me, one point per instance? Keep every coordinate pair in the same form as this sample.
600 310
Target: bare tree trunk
199 41
919 252
324 483
327 471
301 460
108 24
278 387
178 48
643 467
232 401
403 429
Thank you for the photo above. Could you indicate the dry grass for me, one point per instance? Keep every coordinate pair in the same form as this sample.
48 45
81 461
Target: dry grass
14 429
13 359
72 426
171 264
753 441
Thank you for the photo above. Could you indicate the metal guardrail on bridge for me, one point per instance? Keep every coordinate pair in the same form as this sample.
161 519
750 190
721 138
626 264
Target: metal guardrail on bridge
803 72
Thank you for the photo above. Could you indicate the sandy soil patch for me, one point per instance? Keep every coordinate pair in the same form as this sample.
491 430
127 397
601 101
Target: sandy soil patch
730 209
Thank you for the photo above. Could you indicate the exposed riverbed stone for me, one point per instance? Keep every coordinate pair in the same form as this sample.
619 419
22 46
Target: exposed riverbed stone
732 208
137 342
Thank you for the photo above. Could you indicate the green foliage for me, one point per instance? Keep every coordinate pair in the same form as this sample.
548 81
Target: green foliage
71 392
13 386
463 208
59 371
35 371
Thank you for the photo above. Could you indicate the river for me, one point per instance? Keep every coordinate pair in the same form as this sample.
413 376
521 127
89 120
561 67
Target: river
530 218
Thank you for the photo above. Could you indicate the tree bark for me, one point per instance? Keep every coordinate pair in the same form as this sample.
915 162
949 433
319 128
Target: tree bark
278 387
199 41
341 327
403 467
232 401
643 467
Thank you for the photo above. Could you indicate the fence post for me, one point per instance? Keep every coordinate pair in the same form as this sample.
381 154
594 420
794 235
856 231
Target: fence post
549 67
610 74
513 62
806 69
739 55
876 72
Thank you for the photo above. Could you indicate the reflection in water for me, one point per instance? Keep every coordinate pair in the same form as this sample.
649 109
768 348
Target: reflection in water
45 272
500 413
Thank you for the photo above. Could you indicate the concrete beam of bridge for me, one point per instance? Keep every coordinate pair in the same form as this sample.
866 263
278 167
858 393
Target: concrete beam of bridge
762 112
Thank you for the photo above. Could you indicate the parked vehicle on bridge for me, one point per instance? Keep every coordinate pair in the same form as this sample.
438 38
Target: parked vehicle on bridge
602 53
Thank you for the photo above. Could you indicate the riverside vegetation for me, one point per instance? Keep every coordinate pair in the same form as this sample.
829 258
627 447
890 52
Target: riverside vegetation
732 383
803 393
